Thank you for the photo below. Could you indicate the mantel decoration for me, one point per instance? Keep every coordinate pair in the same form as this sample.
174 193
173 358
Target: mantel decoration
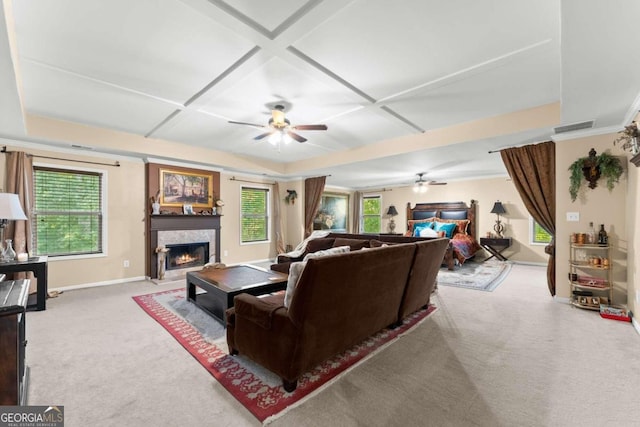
628 138
291 197
217 209
592 168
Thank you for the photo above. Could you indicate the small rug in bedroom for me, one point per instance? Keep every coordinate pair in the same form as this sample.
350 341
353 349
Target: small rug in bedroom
483 276
259 390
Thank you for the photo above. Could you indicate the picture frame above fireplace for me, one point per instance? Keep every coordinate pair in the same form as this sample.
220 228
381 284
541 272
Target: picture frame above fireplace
185 188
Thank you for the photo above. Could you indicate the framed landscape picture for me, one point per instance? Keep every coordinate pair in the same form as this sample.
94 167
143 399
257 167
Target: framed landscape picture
183 188
333 213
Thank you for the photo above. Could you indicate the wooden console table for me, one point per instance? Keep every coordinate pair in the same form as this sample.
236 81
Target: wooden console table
495 246
38 265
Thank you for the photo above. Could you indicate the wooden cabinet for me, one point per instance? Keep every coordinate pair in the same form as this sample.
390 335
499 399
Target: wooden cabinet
13 304
590 275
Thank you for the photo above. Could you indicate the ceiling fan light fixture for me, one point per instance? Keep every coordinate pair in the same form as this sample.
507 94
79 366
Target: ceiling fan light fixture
274 138
286 138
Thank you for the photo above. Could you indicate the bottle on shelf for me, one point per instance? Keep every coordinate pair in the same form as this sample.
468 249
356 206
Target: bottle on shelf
591 235
603 239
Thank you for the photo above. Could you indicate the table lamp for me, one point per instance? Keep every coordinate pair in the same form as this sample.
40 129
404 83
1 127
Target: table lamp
392 212
10 210
498 209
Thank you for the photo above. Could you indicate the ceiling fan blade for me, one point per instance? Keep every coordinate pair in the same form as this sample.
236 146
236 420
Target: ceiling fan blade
436 183
262 135
248 124
296 136
310 127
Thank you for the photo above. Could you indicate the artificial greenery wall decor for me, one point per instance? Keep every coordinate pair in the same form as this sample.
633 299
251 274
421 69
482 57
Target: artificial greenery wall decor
592 168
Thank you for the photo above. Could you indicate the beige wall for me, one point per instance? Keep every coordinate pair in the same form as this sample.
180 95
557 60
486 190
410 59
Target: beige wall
598 205
633 230
124 224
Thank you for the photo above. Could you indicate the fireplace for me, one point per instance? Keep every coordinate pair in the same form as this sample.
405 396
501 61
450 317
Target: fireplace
187 255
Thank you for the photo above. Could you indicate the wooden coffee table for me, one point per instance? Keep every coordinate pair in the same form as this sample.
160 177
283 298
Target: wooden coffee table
220 285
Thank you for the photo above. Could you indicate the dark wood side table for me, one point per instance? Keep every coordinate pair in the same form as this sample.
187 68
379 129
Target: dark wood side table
38 265
495 246
13 371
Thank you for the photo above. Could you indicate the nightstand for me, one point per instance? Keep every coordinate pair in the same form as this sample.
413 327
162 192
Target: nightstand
495 246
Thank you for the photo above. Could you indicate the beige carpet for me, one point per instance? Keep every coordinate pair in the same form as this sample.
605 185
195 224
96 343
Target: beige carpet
503 358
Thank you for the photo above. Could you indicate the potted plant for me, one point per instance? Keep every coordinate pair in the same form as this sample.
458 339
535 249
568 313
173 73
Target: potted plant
628 138
291 197
593 168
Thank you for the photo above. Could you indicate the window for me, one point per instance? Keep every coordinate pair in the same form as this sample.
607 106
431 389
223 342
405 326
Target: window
538 234
68 211
371 214
254 221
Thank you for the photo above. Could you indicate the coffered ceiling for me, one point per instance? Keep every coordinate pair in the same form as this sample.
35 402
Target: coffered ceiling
395 82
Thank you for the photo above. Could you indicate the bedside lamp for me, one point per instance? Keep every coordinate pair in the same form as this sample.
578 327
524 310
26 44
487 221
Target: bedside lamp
10 210
392 212
498 209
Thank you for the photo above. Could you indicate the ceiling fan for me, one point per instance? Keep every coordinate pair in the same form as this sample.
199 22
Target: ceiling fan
280 127
421 184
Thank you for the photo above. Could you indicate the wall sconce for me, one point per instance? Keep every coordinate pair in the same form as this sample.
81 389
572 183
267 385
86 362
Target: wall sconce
498 209
392 212
10 210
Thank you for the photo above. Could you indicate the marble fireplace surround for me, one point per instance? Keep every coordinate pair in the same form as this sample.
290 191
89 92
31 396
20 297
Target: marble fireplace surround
179 229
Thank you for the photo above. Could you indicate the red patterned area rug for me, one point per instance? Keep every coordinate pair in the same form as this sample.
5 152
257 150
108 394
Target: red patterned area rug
259 390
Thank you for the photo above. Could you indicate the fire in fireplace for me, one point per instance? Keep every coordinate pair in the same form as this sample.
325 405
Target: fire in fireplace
187 255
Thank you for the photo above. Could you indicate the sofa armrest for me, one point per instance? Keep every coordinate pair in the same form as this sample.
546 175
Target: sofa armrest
256 310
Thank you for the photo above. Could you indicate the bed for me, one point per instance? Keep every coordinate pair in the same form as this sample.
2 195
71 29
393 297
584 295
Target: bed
463 235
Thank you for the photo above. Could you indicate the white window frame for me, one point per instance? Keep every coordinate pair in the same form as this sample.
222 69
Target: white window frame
105 219
532 233
269 214
362 215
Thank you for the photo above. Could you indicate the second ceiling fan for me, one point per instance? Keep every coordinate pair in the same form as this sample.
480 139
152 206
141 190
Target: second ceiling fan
421 184
279 124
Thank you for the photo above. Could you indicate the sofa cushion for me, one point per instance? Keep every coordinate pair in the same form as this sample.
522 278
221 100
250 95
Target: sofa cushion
320 244
354 244
296 269
327 252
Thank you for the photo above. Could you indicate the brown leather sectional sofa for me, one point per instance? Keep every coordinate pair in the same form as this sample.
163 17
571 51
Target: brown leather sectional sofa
355 242
339 301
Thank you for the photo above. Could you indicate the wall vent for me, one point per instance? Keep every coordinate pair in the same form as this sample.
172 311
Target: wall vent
574 127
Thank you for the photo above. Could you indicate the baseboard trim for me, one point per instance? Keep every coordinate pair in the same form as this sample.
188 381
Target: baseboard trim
636 325
536 264
96 284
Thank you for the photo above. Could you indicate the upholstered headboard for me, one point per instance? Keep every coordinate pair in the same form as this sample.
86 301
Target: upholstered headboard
445 210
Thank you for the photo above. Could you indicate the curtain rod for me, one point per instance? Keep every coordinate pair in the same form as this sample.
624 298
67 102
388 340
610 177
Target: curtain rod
377 191
233 178
518 146
116 164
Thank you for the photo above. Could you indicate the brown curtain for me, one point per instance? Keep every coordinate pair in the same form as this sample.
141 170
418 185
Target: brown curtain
19 180
533 171
313 188
357 203
277 219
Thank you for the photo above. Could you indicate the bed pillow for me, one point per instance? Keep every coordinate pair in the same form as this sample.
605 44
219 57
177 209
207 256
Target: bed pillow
461 224
421 226
295 271
427 232
447 227
412 222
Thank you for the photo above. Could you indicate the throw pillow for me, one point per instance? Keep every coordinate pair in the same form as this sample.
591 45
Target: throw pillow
427 232
421 226
295 271
332 251
462 224
448 228
412 223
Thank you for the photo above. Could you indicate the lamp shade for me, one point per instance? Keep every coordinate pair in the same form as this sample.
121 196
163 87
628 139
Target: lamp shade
10 207
392 211
498 208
